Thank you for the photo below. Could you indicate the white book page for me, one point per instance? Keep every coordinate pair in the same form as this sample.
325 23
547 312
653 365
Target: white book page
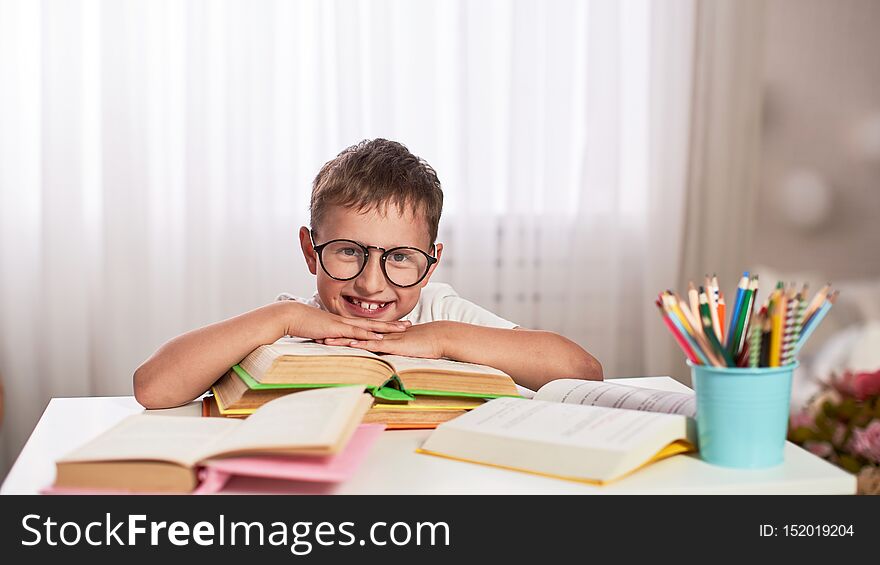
149 437
309 419
402 364
563 425
298 346
611 395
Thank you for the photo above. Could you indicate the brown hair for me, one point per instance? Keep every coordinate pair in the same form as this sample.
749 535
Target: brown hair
375 174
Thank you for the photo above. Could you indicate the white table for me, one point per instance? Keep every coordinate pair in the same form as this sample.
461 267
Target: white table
393 467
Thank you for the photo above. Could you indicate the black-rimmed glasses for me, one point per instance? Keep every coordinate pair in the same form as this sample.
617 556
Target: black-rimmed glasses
344 260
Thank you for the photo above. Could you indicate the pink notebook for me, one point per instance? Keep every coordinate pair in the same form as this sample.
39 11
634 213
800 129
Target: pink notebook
215 475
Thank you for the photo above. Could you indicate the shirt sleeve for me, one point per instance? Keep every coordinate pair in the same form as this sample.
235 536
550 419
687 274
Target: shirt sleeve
314 301
446 304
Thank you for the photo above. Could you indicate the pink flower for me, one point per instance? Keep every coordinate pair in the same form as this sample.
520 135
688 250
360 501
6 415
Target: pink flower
838 434
843 384
802 419
819 448
866 442
866 384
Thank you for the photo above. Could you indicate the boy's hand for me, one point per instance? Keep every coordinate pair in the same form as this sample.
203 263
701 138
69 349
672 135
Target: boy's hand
422 340
317 324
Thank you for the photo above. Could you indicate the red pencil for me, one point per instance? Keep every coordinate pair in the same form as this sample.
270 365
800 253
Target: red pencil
678 337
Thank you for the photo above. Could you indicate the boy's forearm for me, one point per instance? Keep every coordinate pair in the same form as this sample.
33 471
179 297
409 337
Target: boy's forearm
185 367
531 357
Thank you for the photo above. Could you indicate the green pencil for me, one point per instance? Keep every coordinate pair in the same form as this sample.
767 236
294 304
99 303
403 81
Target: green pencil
706 318
755 344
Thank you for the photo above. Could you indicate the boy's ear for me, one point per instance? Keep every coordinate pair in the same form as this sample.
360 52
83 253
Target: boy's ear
438 251
305 241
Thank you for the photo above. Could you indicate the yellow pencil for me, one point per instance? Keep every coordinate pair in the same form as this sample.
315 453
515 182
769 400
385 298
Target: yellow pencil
777 328
673 305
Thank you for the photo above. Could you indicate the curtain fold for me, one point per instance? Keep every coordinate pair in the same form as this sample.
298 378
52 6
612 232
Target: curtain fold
156 161
724 165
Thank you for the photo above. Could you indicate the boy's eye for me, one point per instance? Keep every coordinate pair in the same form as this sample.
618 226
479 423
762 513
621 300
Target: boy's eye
399 257
349 252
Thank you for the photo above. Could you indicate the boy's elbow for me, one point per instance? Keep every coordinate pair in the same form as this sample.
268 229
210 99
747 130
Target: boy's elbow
590 368
581 364
146 392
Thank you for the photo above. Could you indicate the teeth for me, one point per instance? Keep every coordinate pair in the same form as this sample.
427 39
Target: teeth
369 305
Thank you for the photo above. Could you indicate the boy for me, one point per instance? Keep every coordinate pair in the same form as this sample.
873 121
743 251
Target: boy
375 210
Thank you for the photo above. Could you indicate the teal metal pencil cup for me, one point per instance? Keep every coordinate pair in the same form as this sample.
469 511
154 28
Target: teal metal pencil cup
742 414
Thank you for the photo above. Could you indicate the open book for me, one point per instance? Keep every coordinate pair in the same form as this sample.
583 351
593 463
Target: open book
293 362
613 395
233 399
565 432
153 453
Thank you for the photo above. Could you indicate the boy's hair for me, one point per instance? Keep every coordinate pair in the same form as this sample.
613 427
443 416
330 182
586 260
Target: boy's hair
375 174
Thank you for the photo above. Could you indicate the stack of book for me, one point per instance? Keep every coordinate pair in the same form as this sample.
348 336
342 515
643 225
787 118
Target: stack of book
408 392
314 436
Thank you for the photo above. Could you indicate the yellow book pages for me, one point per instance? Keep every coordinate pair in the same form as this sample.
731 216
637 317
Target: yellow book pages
674 448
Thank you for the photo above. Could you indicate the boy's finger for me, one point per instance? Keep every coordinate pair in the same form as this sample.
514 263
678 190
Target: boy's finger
375 346
377 325
360 333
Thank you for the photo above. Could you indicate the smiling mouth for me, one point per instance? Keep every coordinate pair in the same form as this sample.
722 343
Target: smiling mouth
369 306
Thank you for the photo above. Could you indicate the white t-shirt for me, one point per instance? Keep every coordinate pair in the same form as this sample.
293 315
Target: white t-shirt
438 301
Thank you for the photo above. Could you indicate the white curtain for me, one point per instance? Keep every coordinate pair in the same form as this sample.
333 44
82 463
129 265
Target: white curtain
156 160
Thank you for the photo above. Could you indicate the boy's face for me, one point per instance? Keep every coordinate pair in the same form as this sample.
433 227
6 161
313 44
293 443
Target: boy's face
385 228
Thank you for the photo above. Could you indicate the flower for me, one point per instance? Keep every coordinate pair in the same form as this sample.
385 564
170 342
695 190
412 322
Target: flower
866 442
841 424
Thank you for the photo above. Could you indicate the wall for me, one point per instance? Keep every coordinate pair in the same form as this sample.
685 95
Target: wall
822 94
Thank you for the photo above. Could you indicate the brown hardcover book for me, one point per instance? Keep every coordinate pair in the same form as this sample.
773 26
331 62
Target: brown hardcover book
293 361
155 453
233 399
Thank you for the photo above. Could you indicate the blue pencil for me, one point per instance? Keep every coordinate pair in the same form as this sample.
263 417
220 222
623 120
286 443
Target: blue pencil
734 316
814 322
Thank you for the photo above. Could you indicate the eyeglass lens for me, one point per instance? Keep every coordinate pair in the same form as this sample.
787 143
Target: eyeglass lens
345 260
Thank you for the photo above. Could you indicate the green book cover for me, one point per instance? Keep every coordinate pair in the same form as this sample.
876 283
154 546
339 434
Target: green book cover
391 390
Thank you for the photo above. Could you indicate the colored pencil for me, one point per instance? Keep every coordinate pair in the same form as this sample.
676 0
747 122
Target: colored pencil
679 338
700 336
746 336
755 343
816 302
694 300
751 295
738 305
814 322
675 305
766 333
709 330
778 317
671 305
788 329
713 305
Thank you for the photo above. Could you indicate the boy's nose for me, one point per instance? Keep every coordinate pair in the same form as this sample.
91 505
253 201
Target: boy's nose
372 279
